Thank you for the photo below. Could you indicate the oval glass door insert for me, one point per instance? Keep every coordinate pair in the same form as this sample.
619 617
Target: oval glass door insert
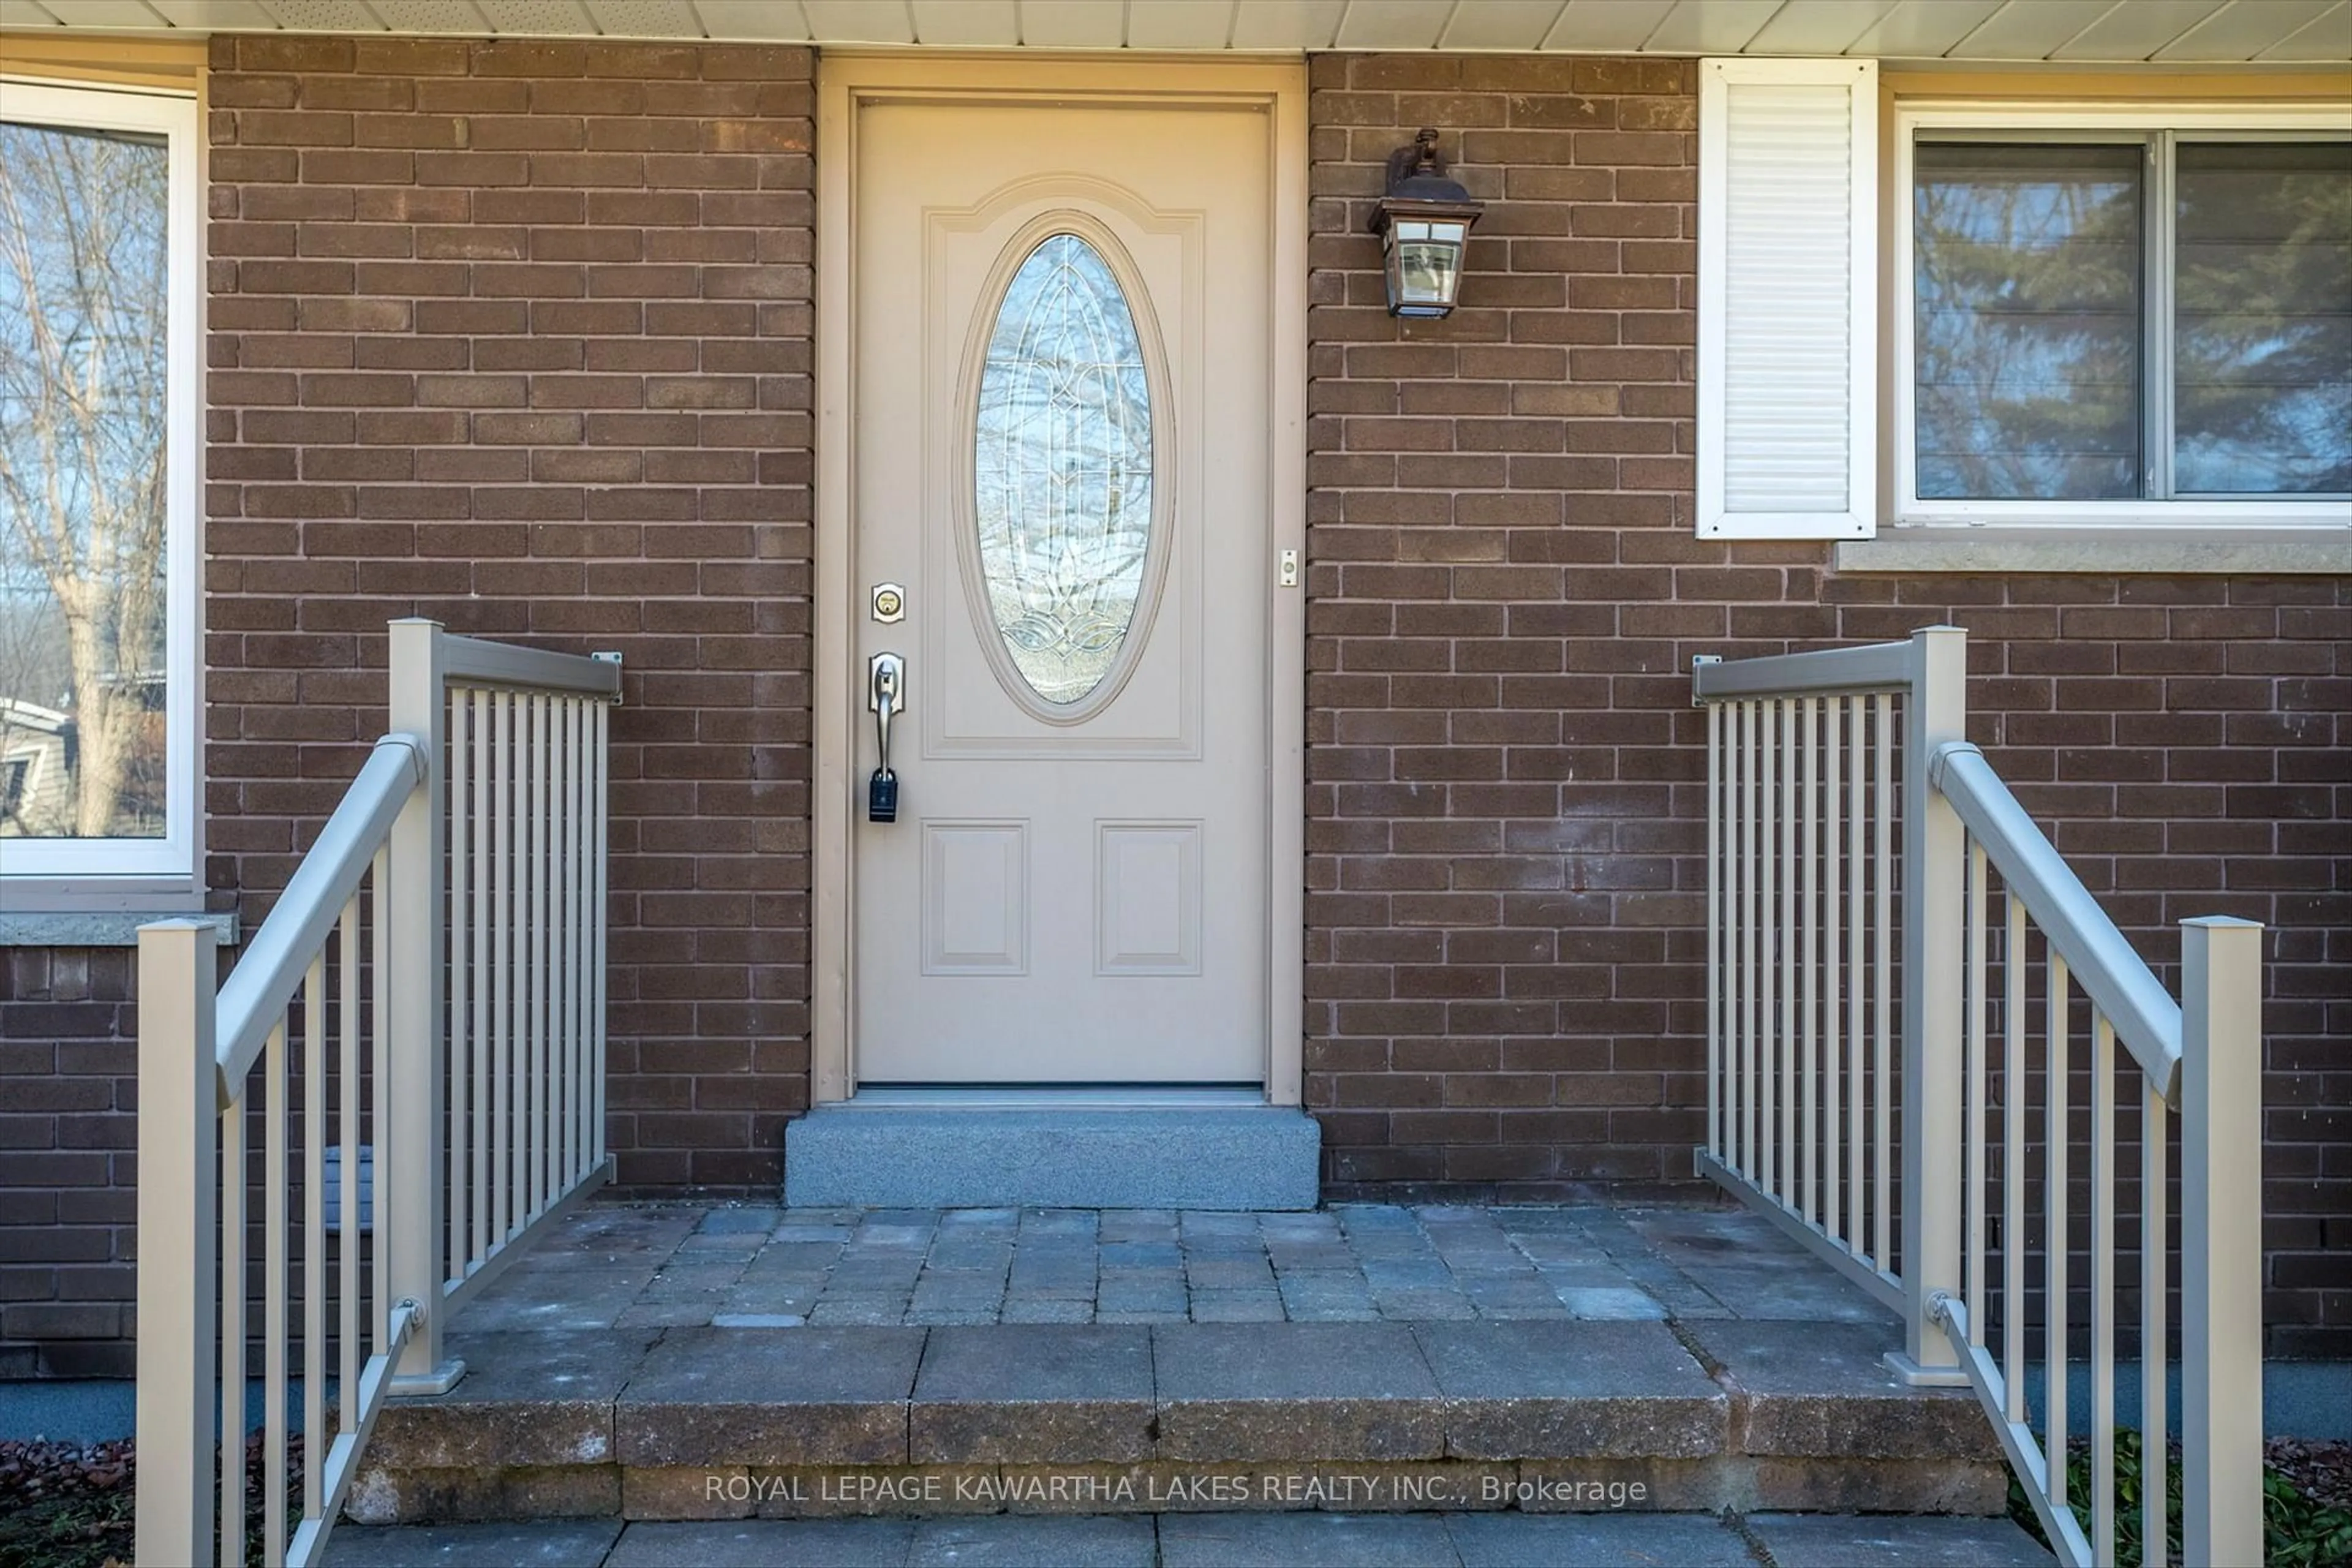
1062 469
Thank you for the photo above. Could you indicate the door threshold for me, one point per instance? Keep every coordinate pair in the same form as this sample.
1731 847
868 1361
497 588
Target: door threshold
1046 1097
1116 1146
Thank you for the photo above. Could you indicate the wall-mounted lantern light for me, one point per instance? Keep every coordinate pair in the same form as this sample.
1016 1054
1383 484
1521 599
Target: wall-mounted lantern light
1423 223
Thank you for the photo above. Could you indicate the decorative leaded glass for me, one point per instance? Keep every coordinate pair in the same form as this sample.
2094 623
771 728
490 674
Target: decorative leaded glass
1062 469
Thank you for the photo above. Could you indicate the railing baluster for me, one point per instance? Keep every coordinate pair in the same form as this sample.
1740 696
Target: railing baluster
484 1118
1787 1043
520 1198
564 967
542 1165
534 933
575 964
583 908
559 940
601 765
234 1282
1770 1037
2012 1157
1731 927
559 959
314 1230
505 1162
2155 1449
518 939
1973 1289
273 1299
1835 1217
379 1102
1883 967
347 1161
2103 1286
1857 983
1808 1175
1751 1075
1714 928
2058 1243
1735 1042
460 1024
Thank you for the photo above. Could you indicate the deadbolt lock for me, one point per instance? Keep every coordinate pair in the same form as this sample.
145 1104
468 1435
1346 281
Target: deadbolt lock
889 602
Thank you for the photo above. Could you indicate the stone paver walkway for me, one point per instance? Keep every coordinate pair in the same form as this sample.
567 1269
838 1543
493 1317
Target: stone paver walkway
1212 1541
617 1265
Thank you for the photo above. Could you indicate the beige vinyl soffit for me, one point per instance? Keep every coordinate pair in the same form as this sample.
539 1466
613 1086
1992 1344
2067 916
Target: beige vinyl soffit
2181 32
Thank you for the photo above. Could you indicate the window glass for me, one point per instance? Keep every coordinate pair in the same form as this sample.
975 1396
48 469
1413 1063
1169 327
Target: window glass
2028 263
83 385
2263 314
1062 469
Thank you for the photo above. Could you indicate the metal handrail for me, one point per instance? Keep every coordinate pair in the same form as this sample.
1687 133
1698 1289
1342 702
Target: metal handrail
2101 960
376 938
1778 730
253 999
474 662
1875 667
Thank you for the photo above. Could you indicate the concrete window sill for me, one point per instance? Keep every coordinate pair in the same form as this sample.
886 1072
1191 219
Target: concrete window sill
2248 552
98 928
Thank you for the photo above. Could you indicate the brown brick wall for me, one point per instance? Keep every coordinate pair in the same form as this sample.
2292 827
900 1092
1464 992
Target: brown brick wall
1505 592
517 335
68 1103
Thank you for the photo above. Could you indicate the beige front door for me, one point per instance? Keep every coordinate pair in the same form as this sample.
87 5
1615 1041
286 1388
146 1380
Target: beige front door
1060 466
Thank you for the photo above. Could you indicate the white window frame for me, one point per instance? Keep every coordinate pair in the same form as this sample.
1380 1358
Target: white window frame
2021 518
171 861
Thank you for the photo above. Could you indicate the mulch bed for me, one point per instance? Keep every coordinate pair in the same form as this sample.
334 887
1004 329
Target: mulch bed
68 1505
2321 1471
65 1504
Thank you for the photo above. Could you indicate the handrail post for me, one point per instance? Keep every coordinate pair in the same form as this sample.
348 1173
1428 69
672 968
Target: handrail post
409 1061
179 1141
2220 1241
1935 847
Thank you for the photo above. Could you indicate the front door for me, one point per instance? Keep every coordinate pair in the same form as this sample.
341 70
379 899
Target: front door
1061 365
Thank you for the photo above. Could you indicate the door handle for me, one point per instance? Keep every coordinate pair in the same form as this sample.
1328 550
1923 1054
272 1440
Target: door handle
885 697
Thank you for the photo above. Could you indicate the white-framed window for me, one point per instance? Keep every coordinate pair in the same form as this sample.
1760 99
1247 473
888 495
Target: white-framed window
2121 316
2115 332
100 435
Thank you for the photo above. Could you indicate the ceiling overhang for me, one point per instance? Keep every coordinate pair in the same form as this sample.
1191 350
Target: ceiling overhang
2080 33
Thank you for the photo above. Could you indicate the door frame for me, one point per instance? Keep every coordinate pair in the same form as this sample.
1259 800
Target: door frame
845 82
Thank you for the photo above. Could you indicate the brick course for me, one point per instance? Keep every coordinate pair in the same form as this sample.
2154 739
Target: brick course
1506 896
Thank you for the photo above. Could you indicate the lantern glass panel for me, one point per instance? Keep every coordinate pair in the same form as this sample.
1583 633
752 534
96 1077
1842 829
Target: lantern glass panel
1424 265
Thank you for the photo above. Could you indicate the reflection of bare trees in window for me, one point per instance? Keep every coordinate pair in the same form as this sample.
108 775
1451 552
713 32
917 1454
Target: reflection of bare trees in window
2028 296
1063 468
83 291
2030 319
2263 318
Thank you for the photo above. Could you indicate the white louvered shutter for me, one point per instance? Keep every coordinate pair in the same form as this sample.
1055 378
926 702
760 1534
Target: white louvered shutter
1788 342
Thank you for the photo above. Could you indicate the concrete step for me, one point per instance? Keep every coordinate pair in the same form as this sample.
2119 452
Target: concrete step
897 1154
1536 1416
1238 1539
